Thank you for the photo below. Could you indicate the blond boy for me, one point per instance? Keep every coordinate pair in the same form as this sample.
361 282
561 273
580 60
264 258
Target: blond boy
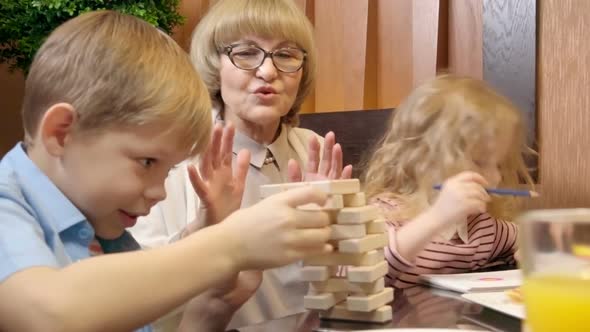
111 105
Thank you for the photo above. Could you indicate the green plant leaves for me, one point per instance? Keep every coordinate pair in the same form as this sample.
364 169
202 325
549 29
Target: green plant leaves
24 24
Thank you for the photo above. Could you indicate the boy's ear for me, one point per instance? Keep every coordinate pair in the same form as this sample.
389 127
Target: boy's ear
57 126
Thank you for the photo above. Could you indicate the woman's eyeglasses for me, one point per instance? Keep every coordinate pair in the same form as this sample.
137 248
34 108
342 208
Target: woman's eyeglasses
250 57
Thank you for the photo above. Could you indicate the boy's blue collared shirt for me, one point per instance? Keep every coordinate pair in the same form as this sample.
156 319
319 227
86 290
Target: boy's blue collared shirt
39 226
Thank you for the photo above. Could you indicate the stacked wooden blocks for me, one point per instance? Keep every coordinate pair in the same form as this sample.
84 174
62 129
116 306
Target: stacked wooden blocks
359 238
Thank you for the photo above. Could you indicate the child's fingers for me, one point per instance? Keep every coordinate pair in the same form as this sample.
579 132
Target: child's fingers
311 219
477 205
477 191
301 196
304 252
473 177
311 237
319 250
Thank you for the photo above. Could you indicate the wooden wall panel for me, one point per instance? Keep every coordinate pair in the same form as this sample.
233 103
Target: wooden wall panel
442 49
509 53
425 18
308 6
564 102
341 34
192 10
465 38
301 3
394 51
370 99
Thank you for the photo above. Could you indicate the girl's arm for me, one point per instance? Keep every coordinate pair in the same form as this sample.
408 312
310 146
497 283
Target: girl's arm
461 195
505 242
413 236
450 257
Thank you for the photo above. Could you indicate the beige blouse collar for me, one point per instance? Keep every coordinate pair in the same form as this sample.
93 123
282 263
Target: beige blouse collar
278 148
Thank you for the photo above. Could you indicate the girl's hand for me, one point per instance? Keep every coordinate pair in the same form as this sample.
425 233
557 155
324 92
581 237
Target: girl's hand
461 195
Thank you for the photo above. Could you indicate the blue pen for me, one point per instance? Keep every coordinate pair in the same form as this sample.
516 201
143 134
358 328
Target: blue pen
504 192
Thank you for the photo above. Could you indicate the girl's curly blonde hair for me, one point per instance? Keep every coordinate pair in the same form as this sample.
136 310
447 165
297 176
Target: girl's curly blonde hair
433 135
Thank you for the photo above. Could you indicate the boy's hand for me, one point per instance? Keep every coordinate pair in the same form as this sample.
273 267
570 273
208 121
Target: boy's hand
235 292
274 233
461 195
330 166
219 188
213 310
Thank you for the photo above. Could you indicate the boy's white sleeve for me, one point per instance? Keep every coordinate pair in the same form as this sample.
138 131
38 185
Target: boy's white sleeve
169 217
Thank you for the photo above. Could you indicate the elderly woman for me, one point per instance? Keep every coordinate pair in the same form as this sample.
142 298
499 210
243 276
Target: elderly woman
257 58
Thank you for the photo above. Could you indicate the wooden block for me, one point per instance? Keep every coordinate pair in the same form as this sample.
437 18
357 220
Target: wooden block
334 202
355 200
336 258
367 273
323 301
341 284
272 189
333 214
334 187
366 287
367 243
318 273
358 215
377 226
342 232
369 302
330 286
340 311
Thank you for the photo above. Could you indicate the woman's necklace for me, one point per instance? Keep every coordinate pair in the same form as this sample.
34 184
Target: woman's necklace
269 158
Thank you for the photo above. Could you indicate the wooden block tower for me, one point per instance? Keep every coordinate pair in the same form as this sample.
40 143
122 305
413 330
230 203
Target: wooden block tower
347 284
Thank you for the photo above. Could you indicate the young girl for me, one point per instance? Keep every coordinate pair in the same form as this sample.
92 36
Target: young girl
457 132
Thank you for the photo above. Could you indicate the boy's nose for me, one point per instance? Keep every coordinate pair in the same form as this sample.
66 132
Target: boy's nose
155 193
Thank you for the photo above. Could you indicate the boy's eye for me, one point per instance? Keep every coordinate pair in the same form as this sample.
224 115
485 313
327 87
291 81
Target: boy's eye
147 162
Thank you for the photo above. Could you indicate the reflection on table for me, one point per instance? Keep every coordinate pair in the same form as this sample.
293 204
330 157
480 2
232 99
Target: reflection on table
416 307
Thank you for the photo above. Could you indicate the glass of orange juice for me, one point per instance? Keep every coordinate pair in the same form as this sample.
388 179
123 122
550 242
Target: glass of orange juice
555 260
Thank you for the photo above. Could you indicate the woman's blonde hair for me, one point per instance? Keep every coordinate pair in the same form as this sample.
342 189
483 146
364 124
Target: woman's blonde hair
117 70
230 20
431 137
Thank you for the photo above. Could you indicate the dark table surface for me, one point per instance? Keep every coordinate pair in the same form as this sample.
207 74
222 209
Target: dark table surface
416 307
